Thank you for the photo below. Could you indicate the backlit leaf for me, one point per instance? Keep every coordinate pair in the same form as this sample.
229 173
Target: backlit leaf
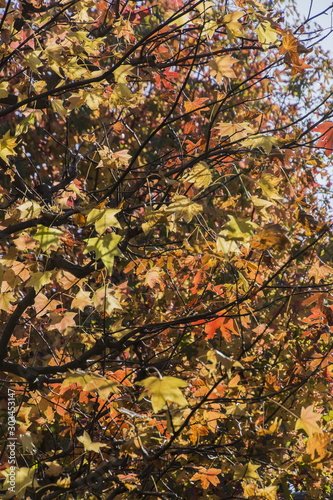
162 390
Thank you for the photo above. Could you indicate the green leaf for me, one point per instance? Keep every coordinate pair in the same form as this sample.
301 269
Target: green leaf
163 390
105 248
47 236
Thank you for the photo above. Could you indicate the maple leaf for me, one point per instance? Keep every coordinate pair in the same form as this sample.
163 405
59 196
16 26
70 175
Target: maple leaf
91 382
265 142
153 278
270 236
7 145
266 34
62 321
308 421
221 66
48 236
193 106
326 139
232 24
39 279
200 175
105 248
207 476
162 390
247 471
81 300
316 446
85 439
24 478
267 184
102 218
239 230
105 301
225 325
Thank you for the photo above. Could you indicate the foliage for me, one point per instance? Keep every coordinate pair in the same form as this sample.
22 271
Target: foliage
165 261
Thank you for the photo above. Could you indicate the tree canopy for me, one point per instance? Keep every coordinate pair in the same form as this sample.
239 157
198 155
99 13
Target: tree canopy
166 300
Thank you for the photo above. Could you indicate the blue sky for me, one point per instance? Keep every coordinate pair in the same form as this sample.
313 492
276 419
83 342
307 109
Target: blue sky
325 21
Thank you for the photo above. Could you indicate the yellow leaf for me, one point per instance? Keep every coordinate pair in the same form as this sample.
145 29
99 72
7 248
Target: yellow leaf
122 72
47 236
57 106
200 175
163 390
266 34
40 279
308 421
102 219
91 382
248 471
3 89
232 24
24 477
316 446
261 141
105 301
267 184
7 145
88 444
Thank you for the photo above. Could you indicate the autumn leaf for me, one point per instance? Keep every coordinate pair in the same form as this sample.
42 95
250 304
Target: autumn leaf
105 248
232 24
239 230
266 34
200 175
316 447
326 140
7 145
91 382
221 67
24 478
207 476
308 421
88 444
102 218
48 236
162 390
267 184
247 471
265 142
225 325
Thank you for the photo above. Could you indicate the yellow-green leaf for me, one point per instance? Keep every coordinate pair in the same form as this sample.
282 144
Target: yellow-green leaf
7 145
105 248
239 230
88 444
47 236
102 218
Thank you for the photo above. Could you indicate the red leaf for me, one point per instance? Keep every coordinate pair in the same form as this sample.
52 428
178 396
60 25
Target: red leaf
326 139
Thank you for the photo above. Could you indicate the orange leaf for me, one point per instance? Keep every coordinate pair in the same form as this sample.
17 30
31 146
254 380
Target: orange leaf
326 139
226 326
